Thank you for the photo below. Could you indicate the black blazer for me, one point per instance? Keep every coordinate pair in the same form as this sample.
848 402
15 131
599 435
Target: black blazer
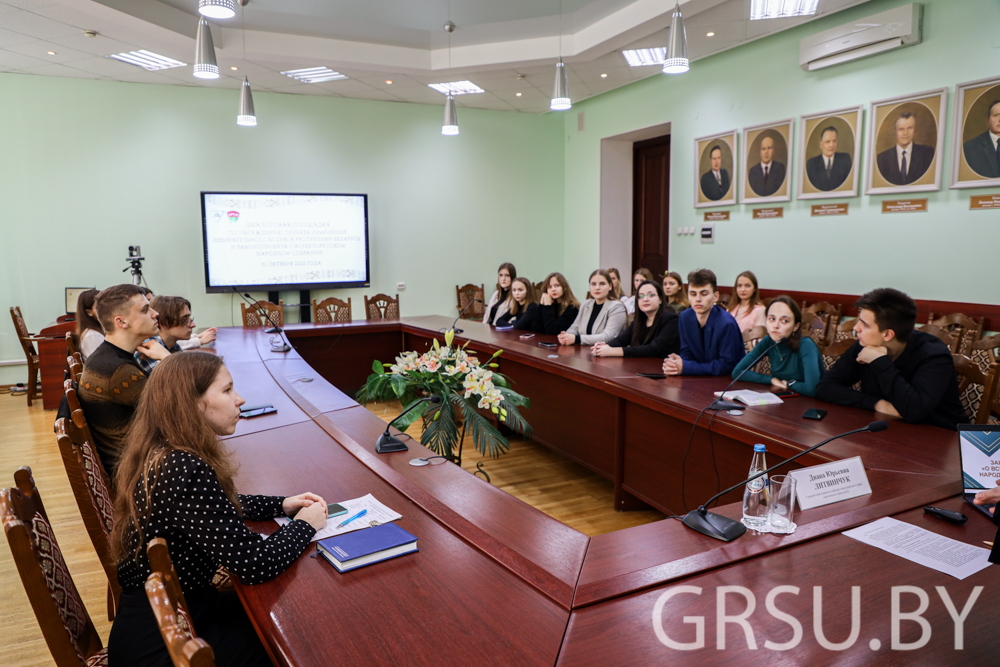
711 188
547 322
775 177
666 338
525 320
816 171
888 164
982 156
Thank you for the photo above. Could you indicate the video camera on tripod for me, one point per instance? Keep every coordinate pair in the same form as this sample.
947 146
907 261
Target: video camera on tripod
135 260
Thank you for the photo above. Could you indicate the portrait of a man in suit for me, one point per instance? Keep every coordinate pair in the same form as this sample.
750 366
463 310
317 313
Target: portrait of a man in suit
765 177
907 161
715 181
828 170
983 152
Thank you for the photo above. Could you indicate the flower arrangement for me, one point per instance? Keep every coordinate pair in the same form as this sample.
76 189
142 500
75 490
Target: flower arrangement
465 387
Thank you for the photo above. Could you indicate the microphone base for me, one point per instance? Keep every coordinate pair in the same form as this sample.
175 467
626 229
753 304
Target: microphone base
388 443
458 331
719 404
281 348
273 330
714 525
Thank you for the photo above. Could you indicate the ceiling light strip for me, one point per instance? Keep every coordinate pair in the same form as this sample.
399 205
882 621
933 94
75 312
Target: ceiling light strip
457 88
147 60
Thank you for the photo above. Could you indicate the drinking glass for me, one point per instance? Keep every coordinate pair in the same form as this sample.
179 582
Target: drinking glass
781 516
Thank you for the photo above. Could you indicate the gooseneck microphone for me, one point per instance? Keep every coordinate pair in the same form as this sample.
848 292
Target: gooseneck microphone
722 404
387 442
467 306
726 529
281 346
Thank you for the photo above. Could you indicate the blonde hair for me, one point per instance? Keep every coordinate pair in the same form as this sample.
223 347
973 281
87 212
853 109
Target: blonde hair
616 290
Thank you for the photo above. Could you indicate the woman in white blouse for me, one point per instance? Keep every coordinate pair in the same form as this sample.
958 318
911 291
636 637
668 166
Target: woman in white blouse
89 332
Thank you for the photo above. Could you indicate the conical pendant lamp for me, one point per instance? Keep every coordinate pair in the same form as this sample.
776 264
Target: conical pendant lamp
217 9
205 66
450 125
247 117
676 60
560 89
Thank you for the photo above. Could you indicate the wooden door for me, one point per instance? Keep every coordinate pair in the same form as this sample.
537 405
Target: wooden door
650 205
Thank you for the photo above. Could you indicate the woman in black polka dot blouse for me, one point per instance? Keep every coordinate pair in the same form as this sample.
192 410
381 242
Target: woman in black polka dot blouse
181 477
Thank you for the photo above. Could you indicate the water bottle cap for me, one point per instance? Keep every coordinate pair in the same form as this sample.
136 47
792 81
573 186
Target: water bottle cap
759 448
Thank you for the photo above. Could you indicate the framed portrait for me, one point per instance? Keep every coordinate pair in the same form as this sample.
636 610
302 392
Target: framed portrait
766 166
715 170
905 140
829 147
975 161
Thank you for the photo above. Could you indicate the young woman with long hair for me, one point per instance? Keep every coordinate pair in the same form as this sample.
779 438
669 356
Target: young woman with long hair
557 307
796 362
638 278
175 480
89 332
601 317
498 302
521 306
616 284
673 290
745 304
653 332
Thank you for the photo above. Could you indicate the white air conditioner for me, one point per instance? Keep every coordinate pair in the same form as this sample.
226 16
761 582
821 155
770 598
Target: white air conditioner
865 37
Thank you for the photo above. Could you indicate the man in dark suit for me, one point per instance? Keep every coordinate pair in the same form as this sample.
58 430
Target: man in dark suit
983 152
905 162
766 176
715 183
830 169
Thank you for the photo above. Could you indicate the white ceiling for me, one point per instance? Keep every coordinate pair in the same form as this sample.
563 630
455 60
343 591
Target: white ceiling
504 46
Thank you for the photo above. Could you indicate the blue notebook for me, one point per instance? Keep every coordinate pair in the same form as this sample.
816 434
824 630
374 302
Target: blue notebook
367 546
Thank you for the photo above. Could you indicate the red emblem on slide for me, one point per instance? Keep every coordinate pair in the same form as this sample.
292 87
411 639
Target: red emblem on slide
233 216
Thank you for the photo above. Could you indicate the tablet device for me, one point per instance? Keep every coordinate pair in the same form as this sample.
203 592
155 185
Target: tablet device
979 450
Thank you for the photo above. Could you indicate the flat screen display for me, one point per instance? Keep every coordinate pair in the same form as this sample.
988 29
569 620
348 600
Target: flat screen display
284 241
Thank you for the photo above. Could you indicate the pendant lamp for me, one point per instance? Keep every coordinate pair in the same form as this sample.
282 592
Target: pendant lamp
560 89
246 117
676 60
217 9
450 125
205 66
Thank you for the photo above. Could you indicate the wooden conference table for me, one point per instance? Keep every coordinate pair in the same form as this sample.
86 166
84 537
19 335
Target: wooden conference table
498 582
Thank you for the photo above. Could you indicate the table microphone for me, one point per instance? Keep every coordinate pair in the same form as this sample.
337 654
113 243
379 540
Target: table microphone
387 442
467 306
726 529
283 347
719 403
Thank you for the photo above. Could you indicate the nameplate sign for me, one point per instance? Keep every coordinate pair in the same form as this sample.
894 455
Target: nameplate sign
772 212
904 205
830 483
981 202
829 209
715 216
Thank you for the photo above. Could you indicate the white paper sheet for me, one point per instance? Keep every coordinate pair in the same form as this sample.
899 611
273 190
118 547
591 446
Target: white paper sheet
921 546
377 512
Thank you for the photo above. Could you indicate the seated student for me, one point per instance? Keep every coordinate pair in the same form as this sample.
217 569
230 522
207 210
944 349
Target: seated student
745 303
711 342
498 304
640 276
796 362
557 307
600 319
653 332
616 284
89 332
112 381
173 454
175 322
522 308
903 372
673 289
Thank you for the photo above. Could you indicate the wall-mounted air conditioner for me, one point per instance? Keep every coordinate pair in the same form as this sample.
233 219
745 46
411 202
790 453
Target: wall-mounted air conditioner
865 37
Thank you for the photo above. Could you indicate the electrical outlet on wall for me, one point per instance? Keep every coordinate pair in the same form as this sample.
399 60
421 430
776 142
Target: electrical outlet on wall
400 286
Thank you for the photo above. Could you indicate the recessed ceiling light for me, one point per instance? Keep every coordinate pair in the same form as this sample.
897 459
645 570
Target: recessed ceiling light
314 74
234 68
709 34
389 81
147 60
519 94
51 53
644 57
604 76
457 88
774 9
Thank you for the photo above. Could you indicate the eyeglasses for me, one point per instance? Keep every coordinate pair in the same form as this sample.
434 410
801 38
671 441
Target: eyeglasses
651 295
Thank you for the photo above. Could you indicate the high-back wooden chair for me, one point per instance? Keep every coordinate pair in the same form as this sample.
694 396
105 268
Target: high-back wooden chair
27 341
966 329
75 364
844 331
92 491
59 609
381 307
833 351
469 294
986 351
814 327
828 313
753 336
945 336
331 310
976 390
171 611
71 348
255 317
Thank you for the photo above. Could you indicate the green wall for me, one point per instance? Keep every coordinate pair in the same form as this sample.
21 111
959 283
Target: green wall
922 253
90 167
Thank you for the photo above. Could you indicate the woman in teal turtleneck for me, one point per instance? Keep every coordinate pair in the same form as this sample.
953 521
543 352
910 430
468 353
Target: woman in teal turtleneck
796 363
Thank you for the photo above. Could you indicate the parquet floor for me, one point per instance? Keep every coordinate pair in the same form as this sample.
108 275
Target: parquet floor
560 488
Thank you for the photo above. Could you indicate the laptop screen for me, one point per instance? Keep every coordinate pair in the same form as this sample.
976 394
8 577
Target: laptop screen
979 446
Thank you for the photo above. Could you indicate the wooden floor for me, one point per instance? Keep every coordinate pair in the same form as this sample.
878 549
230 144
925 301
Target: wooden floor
529 471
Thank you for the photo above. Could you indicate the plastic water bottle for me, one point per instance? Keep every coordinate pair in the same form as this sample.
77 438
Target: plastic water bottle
757 496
